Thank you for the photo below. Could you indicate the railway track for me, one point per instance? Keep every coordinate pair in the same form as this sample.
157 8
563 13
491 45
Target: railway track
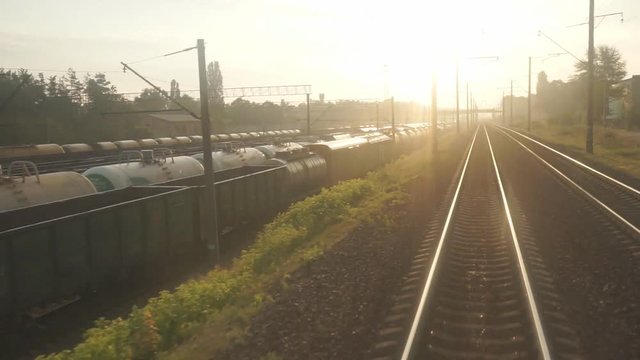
481 272
477 301
484 288
617 199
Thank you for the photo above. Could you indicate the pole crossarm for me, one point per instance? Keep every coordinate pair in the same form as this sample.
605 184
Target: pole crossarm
603 16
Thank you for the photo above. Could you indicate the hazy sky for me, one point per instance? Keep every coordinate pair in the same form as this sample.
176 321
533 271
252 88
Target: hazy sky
339 47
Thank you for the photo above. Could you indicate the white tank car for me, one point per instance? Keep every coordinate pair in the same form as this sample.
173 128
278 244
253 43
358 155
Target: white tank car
231 158
141 168
270 151
23 186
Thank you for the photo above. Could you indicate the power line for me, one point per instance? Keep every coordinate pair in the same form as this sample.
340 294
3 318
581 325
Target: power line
560 46
602 17
61 71
164 93
161 56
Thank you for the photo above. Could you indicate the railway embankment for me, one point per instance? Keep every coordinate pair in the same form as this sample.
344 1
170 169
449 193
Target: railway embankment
616 151
336 255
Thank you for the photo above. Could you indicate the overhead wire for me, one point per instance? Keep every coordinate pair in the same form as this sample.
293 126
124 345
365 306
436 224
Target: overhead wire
61 71
161 56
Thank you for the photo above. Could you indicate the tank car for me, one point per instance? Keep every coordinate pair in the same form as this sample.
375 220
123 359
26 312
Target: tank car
183 140
346 158
230 157
144 167
105 146
147 143
77 148
305 170
166 141
28 151
196 139
127 144
271 150
23 186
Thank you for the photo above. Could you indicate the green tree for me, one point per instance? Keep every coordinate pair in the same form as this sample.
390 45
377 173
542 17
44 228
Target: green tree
22 98
175 90
74 86
151 99
609 68
215 83
216 95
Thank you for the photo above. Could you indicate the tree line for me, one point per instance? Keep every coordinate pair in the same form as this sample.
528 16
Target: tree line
566 102
81 108
74 108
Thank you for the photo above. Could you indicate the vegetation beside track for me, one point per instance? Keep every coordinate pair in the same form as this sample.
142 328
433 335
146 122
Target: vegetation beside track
216 308
615 148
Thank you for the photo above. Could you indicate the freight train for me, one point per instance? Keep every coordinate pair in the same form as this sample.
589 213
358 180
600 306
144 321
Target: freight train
53 152
57 251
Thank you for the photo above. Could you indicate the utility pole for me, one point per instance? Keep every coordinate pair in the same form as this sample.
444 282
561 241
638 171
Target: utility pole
529 99
434 114
210 211
458 98
504 109
511 106
308 116
590 80
468 124
393 119
377 115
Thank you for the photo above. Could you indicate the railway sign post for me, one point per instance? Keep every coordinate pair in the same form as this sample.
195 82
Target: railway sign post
211 216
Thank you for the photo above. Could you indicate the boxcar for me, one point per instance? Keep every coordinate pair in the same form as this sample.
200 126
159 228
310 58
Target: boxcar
346 158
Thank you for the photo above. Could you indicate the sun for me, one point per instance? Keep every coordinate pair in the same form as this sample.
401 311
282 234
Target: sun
430 39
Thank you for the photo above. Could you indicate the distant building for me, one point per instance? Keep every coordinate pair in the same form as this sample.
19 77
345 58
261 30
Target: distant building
162 124
520 108
170 124
627 108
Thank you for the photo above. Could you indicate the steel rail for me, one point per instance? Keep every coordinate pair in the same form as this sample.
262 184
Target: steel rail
635 229
579 163
406 353
542 342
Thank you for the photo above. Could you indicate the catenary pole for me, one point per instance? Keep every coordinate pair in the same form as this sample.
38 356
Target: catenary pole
511 106
468 123
393 119
529 99
211 225
434 113
458 98
590 81
308 115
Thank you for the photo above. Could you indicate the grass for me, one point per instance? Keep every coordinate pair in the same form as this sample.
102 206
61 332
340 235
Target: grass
615 148
205 315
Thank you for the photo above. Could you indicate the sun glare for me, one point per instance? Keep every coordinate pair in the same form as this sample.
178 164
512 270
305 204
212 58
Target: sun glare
434 38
